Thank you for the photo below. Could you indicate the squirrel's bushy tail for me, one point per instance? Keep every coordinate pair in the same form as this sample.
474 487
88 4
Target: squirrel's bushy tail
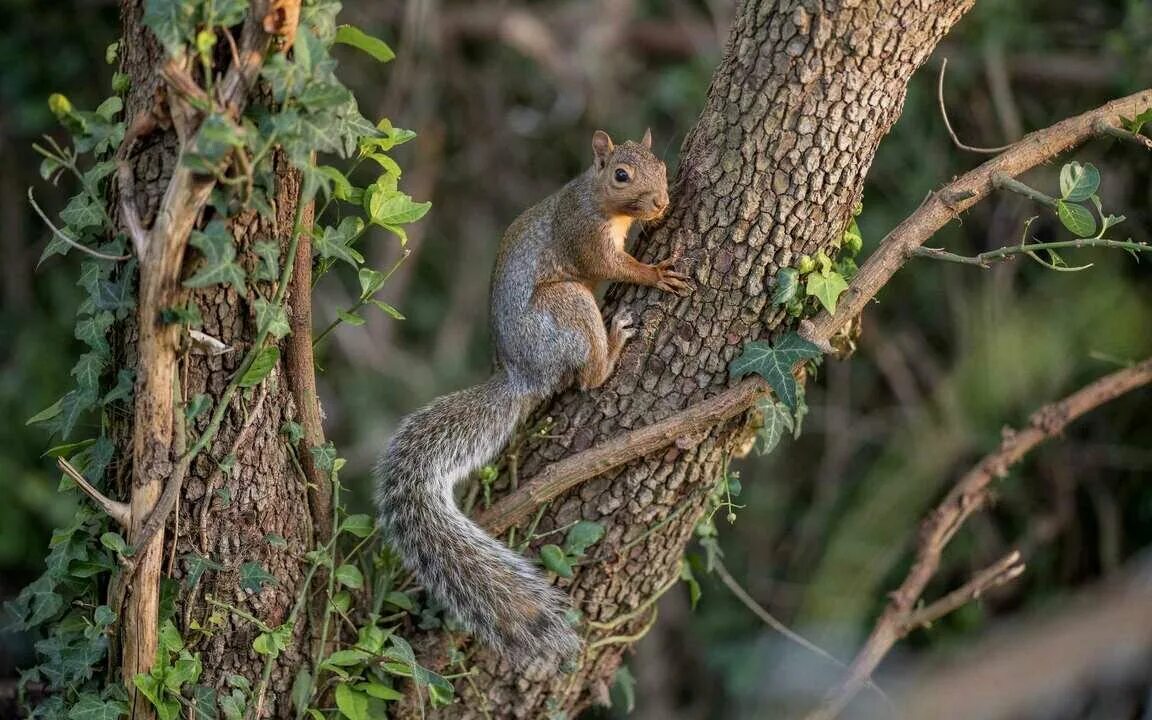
495 592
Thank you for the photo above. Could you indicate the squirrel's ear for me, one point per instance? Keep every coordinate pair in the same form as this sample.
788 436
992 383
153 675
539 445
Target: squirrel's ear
601 145
646 141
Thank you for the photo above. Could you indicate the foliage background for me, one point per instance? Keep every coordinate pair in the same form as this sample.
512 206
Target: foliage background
505 98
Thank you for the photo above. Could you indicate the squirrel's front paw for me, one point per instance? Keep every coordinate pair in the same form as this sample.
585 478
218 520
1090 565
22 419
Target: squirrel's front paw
670 280
623 326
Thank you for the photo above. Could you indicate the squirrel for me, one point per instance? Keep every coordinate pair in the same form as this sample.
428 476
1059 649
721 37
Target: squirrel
547 329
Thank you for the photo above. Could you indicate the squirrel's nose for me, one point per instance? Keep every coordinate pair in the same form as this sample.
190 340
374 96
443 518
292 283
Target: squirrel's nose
660 202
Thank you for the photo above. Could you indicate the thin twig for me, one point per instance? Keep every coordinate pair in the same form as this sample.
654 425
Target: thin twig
66 238
1003 571
948 125
770 620
1125 135
969 494
118 511
985 259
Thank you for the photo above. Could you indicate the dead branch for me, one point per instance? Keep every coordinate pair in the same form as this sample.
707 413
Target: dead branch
116 510
968 495
299 366
1102 635
897 247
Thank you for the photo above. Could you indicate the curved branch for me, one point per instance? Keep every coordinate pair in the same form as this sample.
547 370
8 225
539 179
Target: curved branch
969 494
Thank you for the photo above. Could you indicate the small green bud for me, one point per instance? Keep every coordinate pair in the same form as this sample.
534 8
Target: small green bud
60 106
806 264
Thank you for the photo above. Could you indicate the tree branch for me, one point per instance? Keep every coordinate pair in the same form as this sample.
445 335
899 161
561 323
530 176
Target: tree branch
968 495
897 247
118 511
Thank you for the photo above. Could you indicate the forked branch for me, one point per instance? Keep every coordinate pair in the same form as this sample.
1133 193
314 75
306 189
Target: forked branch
969 494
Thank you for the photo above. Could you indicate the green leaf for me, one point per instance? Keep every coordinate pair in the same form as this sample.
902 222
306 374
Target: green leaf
271 318
582 536
268 267
87 371
172 21
82 212
399 600
380 691
775 363
826 286
553 558
350 318
123 389
194 567
1137 123
341 187
325 457
357 38
353 704
624 686
265 360
350 576
91 707
686 574
393 312
336 242
1078 182
392 207
203 703
46 414
253 577
787 284
215 243
1076 218
359 525
370 281
777 419
347 658
170 640
114 542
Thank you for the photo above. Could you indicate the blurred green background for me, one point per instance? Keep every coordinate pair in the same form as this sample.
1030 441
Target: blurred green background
504 98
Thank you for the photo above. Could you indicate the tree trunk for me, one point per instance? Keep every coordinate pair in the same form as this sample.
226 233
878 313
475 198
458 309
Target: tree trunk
244 508
772 170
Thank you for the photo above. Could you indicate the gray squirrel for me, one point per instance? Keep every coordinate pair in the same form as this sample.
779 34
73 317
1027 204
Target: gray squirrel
547 328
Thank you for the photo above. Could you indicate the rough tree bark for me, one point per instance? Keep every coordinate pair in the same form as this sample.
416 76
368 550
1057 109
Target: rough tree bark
244 488
773 168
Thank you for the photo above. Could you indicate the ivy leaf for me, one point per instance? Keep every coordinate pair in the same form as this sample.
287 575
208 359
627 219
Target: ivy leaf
268 264
203 703
370 281
346 658
114 542
172 21
787 284
1078 182
392 207
82 212
341 187
352 703
1137 123
350 318
358 525
261 366
215 243
87 371
350 576
826 286
582 536
553 558
357 38
388 309
380 691
93 331
1076 218
194 567
399 600
253 577
271 318
775 363
46 414
777 420
91 707
336 242
124 387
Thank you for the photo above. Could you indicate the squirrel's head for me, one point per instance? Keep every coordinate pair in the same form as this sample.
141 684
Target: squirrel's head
631 180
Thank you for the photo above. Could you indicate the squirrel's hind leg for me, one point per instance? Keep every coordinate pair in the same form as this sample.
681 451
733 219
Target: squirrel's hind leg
574 308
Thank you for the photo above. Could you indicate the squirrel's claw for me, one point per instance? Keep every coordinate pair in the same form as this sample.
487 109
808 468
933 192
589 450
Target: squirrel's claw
623 326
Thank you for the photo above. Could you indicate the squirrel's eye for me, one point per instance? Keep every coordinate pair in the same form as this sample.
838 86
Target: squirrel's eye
621 175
